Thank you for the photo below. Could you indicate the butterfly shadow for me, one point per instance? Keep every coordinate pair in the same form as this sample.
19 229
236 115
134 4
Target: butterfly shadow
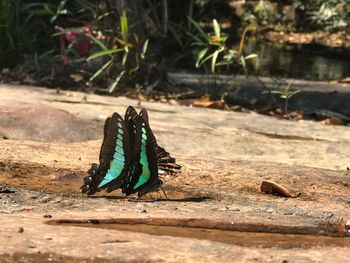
195 199
111 197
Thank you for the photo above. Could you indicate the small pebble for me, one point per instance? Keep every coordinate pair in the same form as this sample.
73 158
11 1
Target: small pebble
140 206
270 210
20 230
47 216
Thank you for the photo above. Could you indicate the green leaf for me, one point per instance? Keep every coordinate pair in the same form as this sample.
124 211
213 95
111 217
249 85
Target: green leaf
190 14
103 15
200 56
176 36
224 63
251 56
124 26
104 53
215 43
125 57
259 7
98 42
230 55
48 10
206 59
103 68
197 39
144 49
213 60
251 27
61 5
136 68
293 93
63 12
59 11
27 7
272 92
198 43
216 28
115 82
198 27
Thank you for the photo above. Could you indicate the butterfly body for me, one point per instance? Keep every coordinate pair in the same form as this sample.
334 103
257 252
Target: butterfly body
130 157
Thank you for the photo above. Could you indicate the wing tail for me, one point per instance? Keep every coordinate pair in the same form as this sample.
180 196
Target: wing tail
167 163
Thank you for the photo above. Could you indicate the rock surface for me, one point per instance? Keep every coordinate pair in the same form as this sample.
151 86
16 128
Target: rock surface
225 158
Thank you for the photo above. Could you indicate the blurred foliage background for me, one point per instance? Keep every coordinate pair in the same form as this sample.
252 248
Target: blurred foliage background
118 44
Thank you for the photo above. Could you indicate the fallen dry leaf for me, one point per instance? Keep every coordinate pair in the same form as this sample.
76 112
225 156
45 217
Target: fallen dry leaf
345 80
332 121
205 102
270 187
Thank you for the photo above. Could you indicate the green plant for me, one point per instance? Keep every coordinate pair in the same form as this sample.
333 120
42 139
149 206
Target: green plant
6 43
213 49
9 33
329 15
285 91
49 33
125 56
25 29
263 12
45 9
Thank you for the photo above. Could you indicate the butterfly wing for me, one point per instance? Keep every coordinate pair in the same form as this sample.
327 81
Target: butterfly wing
166 164
130 123
143 173
114 158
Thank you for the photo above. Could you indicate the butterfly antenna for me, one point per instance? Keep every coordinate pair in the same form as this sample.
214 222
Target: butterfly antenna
164 193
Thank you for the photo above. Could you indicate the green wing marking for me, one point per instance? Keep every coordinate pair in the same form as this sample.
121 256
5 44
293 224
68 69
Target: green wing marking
118 162
146 173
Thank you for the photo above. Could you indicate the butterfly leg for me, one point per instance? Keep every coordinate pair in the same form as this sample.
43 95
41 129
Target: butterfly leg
164 193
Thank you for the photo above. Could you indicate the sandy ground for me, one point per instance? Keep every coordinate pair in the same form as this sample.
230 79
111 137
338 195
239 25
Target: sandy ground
51 139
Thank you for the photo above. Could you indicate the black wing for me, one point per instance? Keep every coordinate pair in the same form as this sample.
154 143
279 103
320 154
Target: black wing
114 158
130 123
143 171
167 165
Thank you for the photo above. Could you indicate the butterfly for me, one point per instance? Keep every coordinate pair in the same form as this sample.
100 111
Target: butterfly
130 157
